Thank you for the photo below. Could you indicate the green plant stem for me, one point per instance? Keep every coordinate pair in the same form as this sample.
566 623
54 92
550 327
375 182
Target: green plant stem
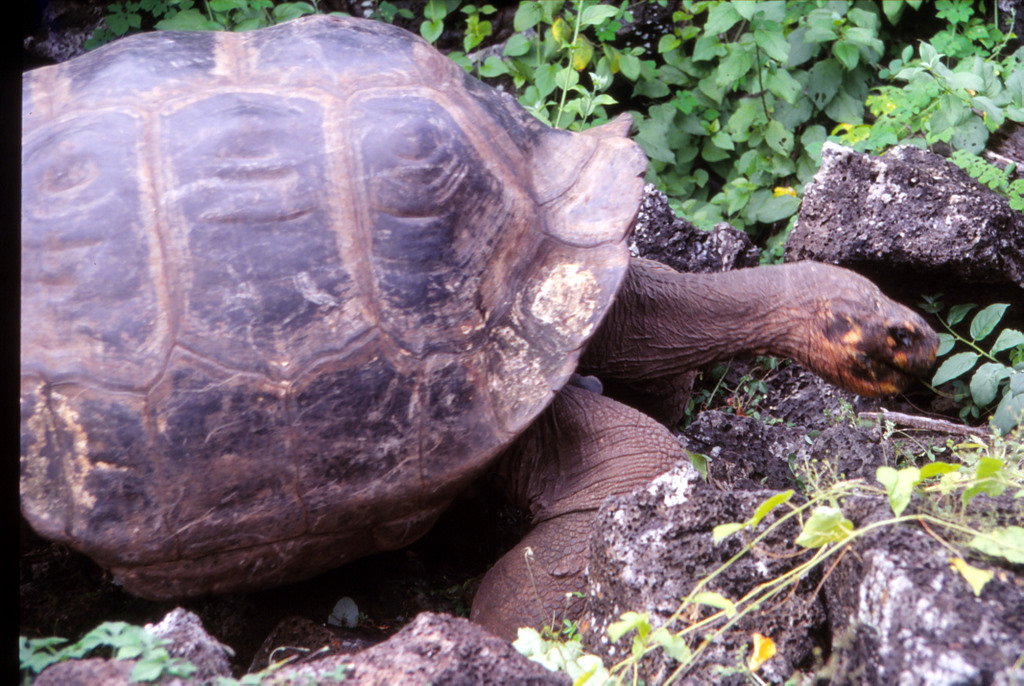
967 342
572 48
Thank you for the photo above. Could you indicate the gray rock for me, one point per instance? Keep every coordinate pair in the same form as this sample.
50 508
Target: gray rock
64 26
892 610
91 672
651 548
190 641
433 648
658 234
901 614
744 452
909 212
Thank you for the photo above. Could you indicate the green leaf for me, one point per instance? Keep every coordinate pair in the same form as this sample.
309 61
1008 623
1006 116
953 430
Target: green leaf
597 13
954 366
674 646
721 18
825 525
723 531
291 10
699 462
976 578
847 53
987 479
630 65
823 81
734 67
668 43
1008 338
958 312
946 343
779 138
628 622
821 26
769 505
1006 542
773 43
775 208
188 20
937 469
431 30
782 84
527 16
864 37
1010 412
800 50
893 9
985 382
708 47
226 5
493 66
516 45
985 321
723 141
146 670
899 485
716 600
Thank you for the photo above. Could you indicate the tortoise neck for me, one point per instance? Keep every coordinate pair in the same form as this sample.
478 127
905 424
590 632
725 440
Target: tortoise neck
664 322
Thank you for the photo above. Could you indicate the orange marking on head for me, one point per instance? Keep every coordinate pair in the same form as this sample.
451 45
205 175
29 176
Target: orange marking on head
852 337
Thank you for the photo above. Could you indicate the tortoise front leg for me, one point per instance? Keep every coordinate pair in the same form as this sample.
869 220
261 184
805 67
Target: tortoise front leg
584 448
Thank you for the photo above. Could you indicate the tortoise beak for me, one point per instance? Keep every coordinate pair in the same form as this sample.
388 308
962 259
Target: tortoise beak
882 353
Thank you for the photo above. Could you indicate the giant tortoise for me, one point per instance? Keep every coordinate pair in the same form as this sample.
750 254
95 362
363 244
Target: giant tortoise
286 293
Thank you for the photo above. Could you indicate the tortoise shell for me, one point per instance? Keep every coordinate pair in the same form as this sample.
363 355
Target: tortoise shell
285 292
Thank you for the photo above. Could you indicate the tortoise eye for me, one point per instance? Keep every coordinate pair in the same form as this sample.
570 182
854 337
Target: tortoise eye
902 337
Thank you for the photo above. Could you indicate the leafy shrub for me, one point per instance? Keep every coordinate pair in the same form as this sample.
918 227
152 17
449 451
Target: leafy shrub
997 380
125 641
130 16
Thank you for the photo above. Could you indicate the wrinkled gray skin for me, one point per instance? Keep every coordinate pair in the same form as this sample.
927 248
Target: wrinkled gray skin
286 293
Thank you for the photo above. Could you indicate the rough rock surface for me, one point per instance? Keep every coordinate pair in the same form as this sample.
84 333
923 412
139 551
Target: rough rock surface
892 610
651 548
900 613
91 672
188 641
433 648
909 212
61 29
659 234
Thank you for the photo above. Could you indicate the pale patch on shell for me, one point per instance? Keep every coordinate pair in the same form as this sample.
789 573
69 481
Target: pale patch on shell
517 381
567 300
78 466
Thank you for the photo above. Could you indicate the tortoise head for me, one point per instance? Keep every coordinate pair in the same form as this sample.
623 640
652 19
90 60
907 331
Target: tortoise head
862 340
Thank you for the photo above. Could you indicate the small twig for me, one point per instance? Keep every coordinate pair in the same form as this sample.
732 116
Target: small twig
926 423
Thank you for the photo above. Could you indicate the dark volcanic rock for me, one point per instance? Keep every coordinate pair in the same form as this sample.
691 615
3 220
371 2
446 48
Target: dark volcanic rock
743 452
60 29
658 234
188 641
910 212
433 648
900 613
893 609
652 547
